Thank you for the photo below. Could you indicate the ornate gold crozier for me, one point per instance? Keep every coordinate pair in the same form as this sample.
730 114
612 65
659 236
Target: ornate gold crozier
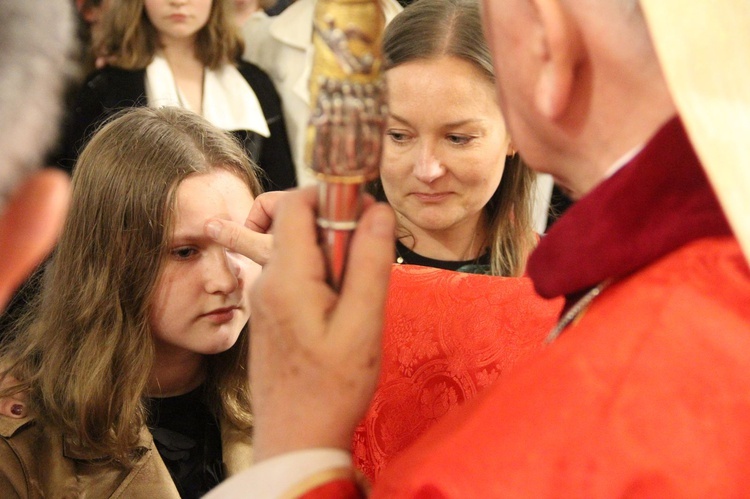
345 132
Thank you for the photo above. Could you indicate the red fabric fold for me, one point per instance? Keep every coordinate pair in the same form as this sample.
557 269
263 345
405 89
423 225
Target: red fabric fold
447 337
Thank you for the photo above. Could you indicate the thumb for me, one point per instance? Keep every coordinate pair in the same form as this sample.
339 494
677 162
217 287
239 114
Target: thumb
238 238
365 284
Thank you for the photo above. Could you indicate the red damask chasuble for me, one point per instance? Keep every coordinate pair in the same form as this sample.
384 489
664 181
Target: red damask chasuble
448 336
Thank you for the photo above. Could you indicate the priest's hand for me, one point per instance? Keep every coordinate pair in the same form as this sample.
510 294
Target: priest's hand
254 239
314 354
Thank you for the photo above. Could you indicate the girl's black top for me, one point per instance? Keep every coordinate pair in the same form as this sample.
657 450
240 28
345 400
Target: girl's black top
188 439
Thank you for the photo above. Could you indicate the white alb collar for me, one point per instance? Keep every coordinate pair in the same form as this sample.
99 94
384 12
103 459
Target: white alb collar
228 100
624 160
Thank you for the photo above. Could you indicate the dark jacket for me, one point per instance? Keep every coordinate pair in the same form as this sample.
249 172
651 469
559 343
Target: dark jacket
110 89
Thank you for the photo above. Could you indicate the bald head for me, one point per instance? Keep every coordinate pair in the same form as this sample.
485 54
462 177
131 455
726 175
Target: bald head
578 81
36 40
36 44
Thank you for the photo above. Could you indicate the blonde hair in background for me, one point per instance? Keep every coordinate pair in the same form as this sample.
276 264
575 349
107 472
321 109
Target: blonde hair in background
85 351
129 40
429 29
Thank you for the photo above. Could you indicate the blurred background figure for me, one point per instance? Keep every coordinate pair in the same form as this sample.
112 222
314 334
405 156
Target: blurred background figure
36 50
282 47
91 14
279 7
184 54
243 9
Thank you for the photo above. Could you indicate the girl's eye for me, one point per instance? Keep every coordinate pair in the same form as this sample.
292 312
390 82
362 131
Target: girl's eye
459 140
183 253
397 136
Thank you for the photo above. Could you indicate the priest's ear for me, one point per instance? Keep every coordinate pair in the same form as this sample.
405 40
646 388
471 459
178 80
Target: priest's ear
557 45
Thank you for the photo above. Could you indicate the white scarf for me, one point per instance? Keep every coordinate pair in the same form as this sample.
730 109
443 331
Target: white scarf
228 100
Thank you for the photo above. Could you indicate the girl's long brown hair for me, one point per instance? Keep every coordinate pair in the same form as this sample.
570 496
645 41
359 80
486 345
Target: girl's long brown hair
85 350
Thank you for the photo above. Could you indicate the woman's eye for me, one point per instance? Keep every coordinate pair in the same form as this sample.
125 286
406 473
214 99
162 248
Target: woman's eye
397 136
184 253
459 140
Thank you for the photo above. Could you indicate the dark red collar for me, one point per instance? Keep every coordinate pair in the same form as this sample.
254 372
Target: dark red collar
658 202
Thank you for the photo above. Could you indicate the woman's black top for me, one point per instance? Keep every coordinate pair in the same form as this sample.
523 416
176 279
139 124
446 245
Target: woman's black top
480 265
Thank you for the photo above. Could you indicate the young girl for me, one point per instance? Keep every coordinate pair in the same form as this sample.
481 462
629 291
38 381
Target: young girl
462 198
134 355
184 54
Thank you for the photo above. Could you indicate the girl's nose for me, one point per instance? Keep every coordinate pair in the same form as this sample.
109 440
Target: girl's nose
222 273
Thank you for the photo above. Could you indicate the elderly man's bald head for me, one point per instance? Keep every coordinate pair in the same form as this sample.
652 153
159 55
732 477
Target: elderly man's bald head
36 42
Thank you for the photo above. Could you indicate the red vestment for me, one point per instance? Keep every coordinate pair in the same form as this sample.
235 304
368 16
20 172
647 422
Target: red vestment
447 336
648 393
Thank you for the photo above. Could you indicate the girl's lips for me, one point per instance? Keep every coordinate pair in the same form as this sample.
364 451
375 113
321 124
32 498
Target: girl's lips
221 315
178 17
435 197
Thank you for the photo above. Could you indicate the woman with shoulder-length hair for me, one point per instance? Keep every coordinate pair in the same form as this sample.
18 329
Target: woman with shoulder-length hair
463 203
463 198
134 354
184 54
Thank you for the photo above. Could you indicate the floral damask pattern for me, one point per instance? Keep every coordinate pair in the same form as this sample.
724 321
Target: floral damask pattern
448 336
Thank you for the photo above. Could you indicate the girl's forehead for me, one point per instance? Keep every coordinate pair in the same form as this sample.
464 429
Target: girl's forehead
216 194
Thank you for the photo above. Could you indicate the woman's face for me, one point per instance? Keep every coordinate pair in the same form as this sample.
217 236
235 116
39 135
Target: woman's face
201 300
445 145
244 8
178 19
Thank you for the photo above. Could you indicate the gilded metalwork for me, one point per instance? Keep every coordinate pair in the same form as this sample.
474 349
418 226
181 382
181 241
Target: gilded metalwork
347 90
345 133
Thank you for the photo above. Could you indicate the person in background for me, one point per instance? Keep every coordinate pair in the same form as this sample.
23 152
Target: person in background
279 7
642 388
463 199
282 46
184 54
134 354
91 12
243 9
462 203
37 49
